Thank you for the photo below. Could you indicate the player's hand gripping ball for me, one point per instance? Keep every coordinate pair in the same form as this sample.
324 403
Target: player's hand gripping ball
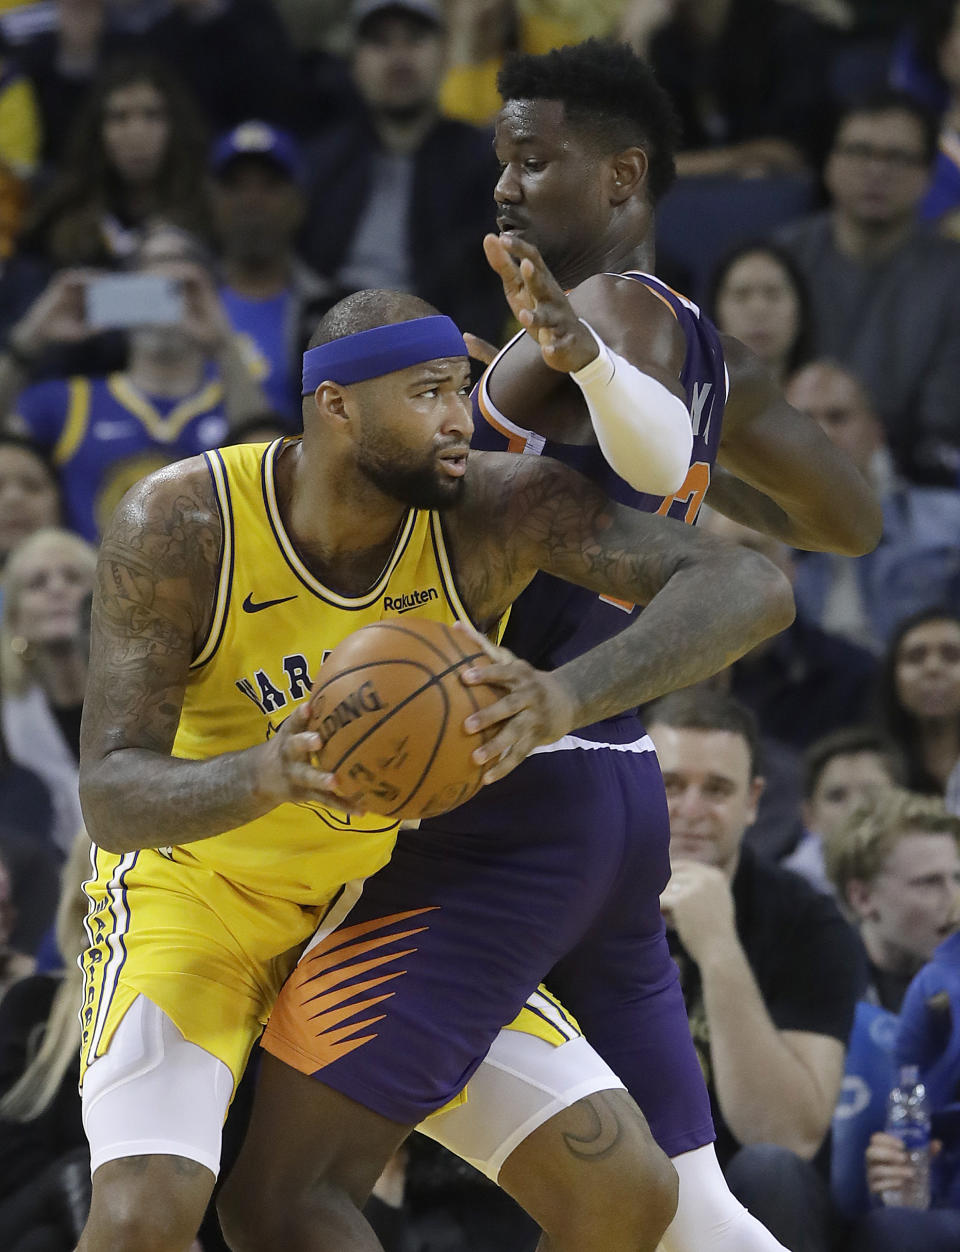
389 705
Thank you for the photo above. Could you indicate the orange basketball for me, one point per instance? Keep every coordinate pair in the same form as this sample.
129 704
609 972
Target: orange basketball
390 706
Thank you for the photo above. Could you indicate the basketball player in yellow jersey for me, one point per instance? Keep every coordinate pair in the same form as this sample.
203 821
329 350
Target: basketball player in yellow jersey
222 582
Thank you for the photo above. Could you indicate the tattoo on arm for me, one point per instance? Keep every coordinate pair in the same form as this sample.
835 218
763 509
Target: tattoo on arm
707 601
156 582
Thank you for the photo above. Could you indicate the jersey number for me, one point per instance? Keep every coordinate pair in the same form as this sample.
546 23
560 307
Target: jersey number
691 493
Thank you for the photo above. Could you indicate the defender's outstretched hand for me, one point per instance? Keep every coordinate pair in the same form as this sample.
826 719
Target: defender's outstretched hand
539 304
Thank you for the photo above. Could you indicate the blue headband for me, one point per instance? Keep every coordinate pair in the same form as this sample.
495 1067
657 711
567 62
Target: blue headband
370 353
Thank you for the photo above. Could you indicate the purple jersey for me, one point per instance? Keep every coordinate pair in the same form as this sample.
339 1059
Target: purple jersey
554 621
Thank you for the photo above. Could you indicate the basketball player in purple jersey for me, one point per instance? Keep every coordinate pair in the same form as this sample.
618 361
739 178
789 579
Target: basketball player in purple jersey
585 139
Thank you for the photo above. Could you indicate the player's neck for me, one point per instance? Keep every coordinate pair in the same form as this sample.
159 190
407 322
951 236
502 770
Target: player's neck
616 257
862 242
343 527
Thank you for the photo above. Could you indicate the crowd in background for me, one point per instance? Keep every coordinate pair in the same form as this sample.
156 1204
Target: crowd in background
252 161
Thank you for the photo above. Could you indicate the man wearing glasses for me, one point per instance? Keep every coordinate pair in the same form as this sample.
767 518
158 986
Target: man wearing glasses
885 291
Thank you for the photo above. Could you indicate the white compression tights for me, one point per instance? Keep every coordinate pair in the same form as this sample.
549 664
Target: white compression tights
709 1218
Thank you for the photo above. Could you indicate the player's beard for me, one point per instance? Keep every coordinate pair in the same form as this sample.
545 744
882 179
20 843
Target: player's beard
419 484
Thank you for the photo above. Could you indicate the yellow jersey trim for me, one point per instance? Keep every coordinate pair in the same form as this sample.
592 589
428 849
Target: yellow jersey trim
163 429
225 576
292 558
78 418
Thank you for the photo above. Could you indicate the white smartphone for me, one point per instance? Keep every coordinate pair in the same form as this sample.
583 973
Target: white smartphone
118 301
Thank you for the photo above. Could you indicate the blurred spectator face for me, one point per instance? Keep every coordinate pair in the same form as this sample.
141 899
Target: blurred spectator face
169 253
927 671
847 780
711 795
257 208
51 585
913 904
136 131
835 400
398 63
29 498
758 305
877 171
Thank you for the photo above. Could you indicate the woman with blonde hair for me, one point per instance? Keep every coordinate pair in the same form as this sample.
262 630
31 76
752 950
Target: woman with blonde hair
44 1166
43 663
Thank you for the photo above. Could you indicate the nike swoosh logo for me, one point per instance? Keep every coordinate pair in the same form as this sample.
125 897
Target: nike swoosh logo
252 606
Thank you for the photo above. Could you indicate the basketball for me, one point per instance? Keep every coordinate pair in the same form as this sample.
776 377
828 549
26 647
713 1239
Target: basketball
390 706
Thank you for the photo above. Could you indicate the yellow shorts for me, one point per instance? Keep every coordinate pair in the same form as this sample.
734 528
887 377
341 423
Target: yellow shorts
211 954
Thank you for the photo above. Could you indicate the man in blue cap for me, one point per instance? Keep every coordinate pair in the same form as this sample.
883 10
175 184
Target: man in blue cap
269 293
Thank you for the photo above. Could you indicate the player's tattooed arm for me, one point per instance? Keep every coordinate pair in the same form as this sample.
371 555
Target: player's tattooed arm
707 602
154 597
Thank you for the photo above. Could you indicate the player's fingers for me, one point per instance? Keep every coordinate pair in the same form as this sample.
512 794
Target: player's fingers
507 761
539 282
503 670
499 259
501 710
486 646
479 349
308 778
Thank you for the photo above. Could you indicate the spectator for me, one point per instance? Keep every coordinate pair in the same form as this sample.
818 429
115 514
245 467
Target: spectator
43 664
841 772
803 683
29 492
45 1185
917 562
750 80
885 294
272 299
895 863
759 297
233 55
136 156
919 691
14 965
414 191
770 971
106 433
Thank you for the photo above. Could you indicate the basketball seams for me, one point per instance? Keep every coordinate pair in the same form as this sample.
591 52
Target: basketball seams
451 668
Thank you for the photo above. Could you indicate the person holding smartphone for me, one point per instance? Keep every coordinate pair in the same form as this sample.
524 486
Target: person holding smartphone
186 385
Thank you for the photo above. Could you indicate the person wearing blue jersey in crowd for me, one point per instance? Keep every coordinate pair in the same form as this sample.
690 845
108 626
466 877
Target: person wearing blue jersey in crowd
928 1037
585 142
272 298
184 387
895 865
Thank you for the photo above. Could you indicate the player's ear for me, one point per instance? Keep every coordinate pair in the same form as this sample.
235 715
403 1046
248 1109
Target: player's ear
627 171
330 402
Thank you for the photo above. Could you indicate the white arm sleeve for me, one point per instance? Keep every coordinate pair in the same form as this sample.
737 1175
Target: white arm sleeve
643 429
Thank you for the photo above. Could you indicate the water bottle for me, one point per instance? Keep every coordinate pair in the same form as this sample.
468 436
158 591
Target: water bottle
908 1119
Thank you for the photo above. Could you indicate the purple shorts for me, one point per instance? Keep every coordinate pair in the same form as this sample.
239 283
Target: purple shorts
557 867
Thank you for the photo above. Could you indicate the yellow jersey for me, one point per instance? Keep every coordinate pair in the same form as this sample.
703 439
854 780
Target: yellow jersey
273 625
209 930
